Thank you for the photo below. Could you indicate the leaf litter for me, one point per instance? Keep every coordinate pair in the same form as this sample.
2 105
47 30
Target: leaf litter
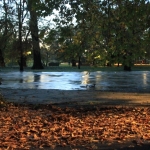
43 126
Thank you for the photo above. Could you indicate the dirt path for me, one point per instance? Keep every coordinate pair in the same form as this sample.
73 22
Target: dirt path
83 96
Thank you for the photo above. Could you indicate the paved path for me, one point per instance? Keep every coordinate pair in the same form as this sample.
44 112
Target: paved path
85 96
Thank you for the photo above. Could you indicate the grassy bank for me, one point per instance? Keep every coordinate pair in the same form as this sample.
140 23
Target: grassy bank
67 68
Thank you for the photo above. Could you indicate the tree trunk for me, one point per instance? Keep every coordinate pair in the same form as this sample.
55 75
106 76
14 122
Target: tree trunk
20 37
4 37
127 68
2 63
79 62
73 63
37 64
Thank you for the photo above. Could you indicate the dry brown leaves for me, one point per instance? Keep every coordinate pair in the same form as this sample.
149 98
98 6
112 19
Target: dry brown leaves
50 126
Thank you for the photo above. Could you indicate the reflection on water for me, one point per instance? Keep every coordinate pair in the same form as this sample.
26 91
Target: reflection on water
85 77
145 79
110 81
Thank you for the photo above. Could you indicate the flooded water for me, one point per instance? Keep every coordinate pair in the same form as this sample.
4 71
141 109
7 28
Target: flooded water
105 81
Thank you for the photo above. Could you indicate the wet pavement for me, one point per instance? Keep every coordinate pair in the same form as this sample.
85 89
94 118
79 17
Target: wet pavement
134 81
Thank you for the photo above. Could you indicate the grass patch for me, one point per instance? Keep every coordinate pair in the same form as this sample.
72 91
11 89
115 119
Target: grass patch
67 68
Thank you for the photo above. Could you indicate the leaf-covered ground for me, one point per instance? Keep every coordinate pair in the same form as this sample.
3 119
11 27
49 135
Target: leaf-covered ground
73 127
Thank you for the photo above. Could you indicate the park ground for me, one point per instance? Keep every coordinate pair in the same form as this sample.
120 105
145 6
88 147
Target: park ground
74 120
103 123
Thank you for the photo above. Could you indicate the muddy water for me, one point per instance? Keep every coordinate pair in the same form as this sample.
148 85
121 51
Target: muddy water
105 81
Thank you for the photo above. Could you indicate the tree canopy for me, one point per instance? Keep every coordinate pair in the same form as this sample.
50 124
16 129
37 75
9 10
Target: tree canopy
93 31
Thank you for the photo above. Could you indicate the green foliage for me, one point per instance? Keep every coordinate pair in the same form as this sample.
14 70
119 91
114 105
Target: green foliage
44 8
110 30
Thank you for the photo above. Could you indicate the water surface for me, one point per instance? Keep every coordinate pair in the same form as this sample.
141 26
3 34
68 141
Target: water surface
105 81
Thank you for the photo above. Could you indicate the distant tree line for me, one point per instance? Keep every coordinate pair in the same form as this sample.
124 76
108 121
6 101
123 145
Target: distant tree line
85 31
